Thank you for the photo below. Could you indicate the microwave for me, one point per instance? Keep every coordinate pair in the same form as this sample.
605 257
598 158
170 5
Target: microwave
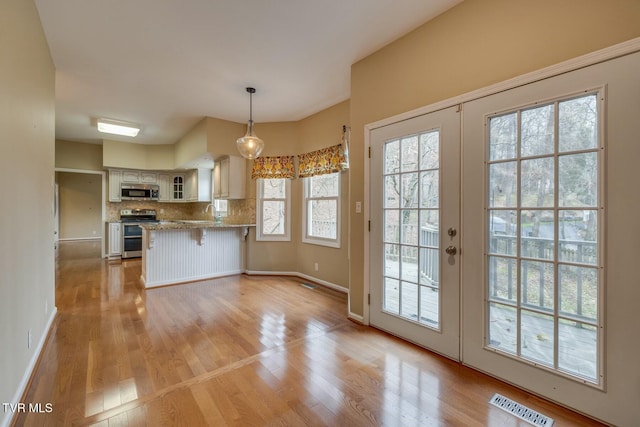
139 192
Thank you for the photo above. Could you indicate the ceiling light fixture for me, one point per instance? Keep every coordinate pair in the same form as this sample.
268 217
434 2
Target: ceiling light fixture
118 128
250 146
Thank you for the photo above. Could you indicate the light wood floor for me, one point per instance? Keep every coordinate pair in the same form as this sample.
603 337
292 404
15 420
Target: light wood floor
240 351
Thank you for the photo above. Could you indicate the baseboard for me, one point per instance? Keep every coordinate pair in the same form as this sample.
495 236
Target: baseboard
324 283
26 378
356 318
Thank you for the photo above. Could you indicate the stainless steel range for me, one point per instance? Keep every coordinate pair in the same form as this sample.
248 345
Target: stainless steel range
131 231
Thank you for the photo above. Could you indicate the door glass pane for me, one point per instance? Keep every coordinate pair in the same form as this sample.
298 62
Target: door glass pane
536 280
578 236
537 230
391 258
543 270
429 189
503 279
577 178
410 190
429 305
503 327
503 137
409 156
429 266
537 131
409 263
503 185
578 127
537 183
409 301
578 291
577 348
412 227
429 150
391 298
537 337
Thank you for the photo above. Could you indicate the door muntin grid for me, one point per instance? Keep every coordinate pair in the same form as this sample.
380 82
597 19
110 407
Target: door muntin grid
544 269
411 235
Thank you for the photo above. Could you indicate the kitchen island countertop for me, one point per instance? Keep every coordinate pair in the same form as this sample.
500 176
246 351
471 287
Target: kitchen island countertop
189 224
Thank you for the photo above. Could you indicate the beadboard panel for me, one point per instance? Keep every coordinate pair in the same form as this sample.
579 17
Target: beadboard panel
176 256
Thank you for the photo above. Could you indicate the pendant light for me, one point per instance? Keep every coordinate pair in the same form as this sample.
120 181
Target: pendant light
250 146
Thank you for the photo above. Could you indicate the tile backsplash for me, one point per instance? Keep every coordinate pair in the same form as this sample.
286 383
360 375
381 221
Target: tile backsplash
239 211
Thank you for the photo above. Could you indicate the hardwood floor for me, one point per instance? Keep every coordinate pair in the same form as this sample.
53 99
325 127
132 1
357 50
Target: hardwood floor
240 351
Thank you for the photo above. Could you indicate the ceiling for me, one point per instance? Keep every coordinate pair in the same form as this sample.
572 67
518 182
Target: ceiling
166 64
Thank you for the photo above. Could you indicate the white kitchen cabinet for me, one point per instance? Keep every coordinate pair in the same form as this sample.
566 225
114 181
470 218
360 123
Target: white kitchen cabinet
164 182
178 188
132 177
148 177
198 185
115 178
230 177
115 239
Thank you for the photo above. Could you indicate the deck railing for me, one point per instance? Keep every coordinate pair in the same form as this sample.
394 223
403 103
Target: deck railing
542 249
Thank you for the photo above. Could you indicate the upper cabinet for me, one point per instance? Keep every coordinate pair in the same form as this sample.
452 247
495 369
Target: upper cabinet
229 176
115 179
187 186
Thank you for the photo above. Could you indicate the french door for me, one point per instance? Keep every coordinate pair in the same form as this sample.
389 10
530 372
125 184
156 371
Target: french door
415 215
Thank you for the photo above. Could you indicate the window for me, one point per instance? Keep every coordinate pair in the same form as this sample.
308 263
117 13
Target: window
274 209
544 267
321 210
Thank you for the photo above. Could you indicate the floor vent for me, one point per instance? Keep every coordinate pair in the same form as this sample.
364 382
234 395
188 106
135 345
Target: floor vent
521 411
308 285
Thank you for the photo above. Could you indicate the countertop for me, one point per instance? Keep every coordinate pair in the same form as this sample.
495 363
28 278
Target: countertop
189 224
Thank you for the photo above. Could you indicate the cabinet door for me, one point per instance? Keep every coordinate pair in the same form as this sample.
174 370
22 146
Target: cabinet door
131 176
115 178
236 178
115 236
216 181
164 181
148 177
224 177
177 188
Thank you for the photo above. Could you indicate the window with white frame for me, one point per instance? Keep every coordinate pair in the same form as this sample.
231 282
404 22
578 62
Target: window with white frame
274 209
321 210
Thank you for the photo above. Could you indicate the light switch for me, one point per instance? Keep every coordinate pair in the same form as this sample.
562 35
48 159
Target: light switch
358 207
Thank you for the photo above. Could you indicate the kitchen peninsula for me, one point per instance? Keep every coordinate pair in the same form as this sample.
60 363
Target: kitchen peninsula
183 251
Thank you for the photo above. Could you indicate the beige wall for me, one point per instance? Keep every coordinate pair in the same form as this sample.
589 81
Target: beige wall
27 120
80 204
117 154
192 145
473 45
77 155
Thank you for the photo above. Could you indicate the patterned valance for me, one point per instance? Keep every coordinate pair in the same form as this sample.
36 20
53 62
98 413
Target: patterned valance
320 162
273 167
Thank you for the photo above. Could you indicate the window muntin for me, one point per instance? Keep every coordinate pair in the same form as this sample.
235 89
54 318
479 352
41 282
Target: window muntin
274 209
321 210
544 282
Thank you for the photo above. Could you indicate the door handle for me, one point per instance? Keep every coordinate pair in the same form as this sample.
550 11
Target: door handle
451 250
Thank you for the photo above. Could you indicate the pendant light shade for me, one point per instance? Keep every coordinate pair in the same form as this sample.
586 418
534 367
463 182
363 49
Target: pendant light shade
250 146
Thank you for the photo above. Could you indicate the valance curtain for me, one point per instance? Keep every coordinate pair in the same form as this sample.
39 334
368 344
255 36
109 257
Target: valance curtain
273 167
320 162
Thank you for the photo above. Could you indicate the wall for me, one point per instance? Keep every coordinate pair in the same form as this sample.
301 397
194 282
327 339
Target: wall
27 120
473 45
80 202
78 155
117 154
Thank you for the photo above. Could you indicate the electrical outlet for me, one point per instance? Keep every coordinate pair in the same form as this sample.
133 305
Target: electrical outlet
29 338
315 266
46 306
